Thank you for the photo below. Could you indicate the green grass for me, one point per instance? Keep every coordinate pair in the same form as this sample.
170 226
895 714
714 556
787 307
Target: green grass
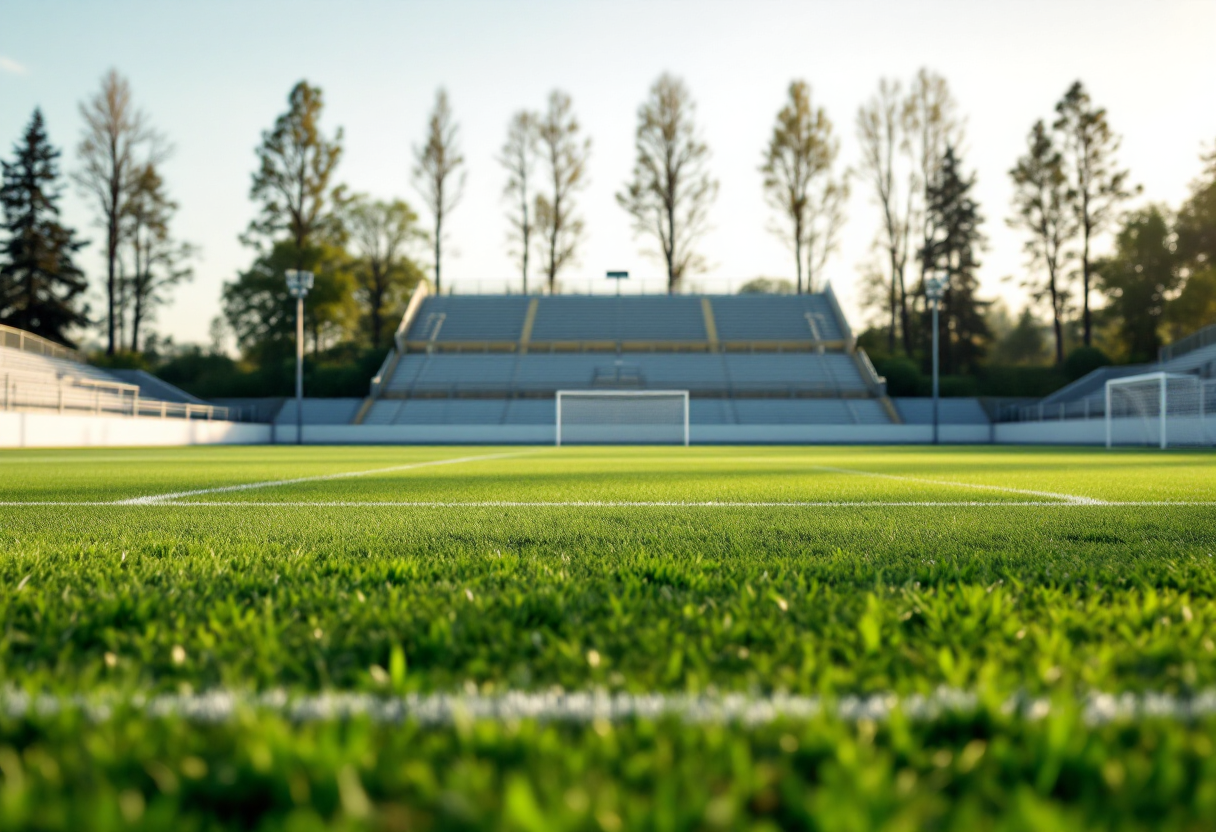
297 587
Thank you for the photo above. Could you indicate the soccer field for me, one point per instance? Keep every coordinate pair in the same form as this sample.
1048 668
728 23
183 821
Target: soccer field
607 638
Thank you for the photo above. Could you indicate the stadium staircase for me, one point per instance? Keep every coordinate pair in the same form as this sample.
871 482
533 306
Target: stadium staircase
499 359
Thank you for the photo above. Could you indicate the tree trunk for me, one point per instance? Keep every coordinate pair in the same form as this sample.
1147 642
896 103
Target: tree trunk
438 232
1085 315
111 283
798 256
1055 320
891 330
377 301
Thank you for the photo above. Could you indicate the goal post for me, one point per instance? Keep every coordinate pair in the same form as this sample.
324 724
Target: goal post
1166 410
625 417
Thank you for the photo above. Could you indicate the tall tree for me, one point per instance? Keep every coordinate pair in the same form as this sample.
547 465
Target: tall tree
1195 226
564 158
437 170
881 129
1137 280
382 233
293 184
262 315
1097 184
117 142
158 262
800 184
297 227
932 125
671 190
953 241
40 286
518 156
1043 205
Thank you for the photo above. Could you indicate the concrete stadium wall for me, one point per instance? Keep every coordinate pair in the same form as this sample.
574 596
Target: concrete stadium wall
54 430
1093 431
49 430
698 434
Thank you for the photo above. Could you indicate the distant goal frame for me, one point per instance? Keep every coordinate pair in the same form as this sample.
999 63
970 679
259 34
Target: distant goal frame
622 394
1168 413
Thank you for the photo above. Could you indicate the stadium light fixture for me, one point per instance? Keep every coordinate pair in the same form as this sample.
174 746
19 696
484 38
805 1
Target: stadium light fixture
298 284
935 287
618 277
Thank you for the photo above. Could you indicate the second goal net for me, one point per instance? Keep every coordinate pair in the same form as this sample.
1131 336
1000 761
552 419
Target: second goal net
1164 410
624 417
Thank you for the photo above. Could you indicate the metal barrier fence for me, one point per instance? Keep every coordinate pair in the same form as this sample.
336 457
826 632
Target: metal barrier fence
19 339
1205 337
21 391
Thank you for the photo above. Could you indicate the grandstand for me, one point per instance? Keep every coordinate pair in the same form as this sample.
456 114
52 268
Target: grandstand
1085 398
37 375
500 360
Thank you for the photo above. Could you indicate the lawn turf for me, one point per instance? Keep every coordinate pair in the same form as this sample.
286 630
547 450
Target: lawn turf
1002 600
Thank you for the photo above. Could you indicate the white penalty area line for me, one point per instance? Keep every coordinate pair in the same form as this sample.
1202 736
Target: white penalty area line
178 495
599 707
1067 498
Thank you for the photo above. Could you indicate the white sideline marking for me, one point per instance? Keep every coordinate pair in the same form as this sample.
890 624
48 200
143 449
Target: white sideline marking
1069 498
161 498
621 503
585 707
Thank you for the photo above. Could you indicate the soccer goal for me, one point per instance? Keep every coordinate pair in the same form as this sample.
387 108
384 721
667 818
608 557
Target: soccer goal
1168 410
626 417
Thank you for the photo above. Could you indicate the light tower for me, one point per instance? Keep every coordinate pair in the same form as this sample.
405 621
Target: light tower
934 288
298 283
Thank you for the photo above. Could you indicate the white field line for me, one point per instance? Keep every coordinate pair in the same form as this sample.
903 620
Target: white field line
1069 498
219 706
161 498
618 504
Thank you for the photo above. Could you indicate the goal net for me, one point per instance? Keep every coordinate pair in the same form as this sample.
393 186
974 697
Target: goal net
629 417
1164 410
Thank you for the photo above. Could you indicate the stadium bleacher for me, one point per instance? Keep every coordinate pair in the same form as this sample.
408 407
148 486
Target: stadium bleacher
500 359
39 375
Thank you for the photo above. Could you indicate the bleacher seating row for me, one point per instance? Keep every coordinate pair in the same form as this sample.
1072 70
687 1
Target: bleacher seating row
704 373
721 411
38 375
638 318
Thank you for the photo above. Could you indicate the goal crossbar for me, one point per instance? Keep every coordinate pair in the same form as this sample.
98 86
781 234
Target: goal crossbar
1170 405
622 416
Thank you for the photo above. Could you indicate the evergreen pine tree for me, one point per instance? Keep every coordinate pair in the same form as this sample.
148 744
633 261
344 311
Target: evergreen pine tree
951 249
40 286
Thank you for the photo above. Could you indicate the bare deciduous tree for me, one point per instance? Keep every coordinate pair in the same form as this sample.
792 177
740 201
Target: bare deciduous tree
881 124
564 156
1043 204
671 191
158 261
800 184
437 161
932 125
519 154
381 233
118 140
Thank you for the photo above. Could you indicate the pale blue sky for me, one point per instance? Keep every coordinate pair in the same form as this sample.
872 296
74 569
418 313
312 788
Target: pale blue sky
213 75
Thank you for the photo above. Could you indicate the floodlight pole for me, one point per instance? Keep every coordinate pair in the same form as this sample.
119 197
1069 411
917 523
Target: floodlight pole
298 283
934 286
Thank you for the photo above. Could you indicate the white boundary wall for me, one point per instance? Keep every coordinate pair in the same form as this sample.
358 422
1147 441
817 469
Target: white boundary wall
1128 432
53 430
43 430
699 434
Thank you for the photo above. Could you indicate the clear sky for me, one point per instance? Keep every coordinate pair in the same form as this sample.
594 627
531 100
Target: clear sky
212 75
